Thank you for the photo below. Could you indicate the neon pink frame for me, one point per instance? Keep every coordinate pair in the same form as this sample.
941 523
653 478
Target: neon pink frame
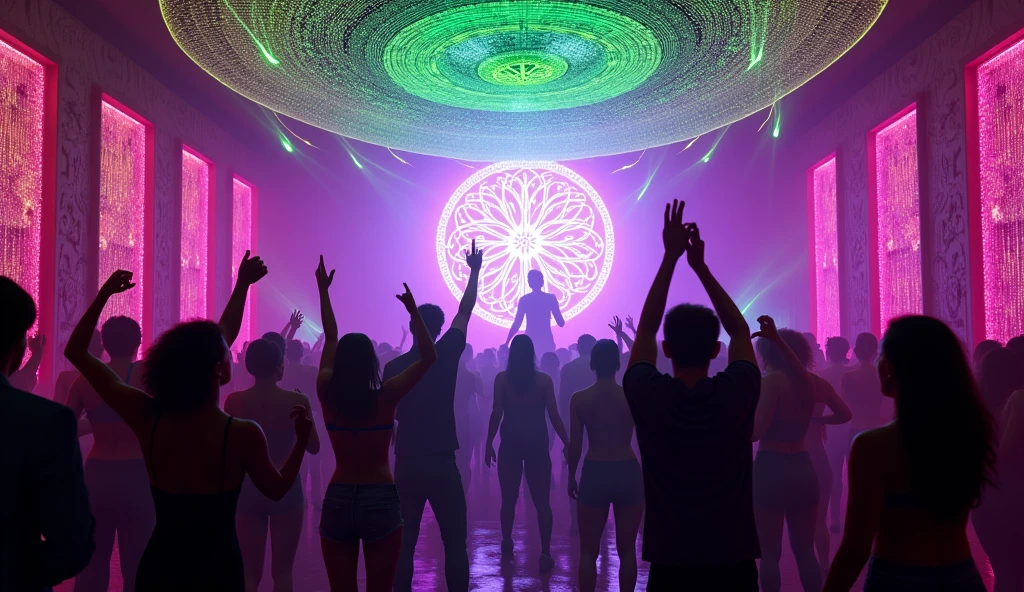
211 239
48 224
977 254
250 307
874 263
812 241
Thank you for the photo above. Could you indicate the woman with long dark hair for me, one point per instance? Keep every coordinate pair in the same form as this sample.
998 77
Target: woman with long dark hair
999 520
269 405
914 481
786 488
196 454
522 396
359 412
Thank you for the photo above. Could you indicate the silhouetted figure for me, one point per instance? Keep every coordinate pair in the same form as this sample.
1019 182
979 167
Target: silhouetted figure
837 444
575 376
621 339
487 366
468 387
1016 344
115 471
47 528
300 376
26 378
999 520
522 398
786 488
695 431
819 356
862 391
538 308
982 349
611 474
913 481
362 502
270 406
66 378
427 438
196 454
549 365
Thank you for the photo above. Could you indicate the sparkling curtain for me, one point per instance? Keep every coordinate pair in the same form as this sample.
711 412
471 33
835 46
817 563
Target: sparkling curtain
899 219
241 239
122 207
195 211
1001 159
22 82
826 250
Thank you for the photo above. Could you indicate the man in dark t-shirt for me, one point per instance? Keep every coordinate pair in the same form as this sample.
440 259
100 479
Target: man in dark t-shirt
695 431
426 441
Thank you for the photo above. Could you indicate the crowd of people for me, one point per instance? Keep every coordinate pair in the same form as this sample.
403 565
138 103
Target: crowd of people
199 456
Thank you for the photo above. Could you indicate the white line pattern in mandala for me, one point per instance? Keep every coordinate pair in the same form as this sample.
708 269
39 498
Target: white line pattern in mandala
527 215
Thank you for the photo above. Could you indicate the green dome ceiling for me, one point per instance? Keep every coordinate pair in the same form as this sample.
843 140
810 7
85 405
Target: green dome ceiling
510 79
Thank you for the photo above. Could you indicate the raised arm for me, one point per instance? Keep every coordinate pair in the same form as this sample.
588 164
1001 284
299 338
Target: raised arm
294 322
405 336
330 335
133 405
575 444
741 347
474 259
620 335
250 271
27 377
675 236
268 479
395 388
497 411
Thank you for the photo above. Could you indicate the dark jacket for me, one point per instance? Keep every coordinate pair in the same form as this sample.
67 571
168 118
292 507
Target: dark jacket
46 525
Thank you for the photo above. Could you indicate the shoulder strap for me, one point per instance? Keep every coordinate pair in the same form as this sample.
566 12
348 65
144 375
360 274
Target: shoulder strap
224 453
128 377
152 460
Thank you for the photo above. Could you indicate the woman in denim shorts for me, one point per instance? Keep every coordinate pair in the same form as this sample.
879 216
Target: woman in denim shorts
359 412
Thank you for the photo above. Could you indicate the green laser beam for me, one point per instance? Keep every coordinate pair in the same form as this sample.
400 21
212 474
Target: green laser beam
266 52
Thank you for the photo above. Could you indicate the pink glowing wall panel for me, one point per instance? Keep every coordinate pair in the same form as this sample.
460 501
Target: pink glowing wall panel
1000 190
122 206
825 250
898 217
241 240
22 106
195 236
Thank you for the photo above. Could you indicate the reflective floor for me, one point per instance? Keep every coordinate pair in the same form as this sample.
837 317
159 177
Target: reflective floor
487 572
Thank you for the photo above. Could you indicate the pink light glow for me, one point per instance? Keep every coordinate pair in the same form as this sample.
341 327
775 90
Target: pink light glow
241 240
1000 126
122 207
22 105
195 232
826 250
898 202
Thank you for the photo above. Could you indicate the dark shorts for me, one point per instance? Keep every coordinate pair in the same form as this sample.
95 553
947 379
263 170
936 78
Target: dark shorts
884 576
784 481
367 513
253 503
619 482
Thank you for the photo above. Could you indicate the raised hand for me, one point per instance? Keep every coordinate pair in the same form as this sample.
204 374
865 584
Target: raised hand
490 456
251 270
405 331
675 235
630 325
407 300
323 279
119 281
474 257
303 422
616 325
695 250
296 319
36 343
767 330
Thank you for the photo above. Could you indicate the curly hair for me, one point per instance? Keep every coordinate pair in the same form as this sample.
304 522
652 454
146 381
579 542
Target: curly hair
181 365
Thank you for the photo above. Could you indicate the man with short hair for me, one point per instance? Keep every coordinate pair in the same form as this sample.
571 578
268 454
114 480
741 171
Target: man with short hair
426 441
46 526
694 431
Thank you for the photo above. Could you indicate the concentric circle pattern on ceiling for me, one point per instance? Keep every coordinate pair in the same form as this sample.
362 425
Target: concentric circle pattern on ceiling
537 79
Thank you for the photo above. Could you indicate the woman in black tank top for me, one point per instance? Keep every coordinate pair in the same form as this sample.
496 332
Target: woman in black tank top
197 455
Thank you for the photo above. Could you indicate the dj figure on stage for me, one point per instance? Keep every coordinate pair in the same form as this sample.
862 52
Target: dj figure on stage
537 307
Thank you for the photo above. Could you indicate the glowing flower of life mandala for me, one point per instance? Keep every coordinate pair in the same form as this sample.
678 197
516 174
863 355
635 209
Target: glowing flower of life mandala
493 80
527 215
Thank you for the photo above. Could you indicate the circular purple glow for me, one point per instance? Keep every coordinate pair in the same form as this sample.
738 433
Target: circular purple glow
527 215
